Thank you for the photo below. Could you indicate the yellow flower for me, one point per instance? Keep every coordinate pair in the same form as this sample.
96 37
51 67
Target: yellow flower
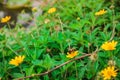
108 73
18 60
34 9
51 10
5 19
78 18
101 12
109 45
71 54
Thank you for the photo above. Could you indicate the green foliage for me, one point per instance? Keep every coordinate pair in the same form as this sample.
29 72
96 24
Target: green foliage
45 45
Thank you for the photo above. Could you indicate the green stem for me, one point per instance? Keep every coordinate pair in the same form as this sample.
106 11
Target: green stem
111 55
61 24
76 70
34 46
8 25
12 50
21 69
113 22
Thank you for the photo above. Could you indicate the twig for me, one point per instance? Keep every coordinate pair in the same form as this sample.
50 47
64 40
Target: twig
57 67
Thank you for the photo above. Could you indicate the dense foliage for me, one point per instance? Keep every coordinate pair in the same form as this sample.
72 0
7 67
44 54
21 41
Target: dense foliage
66 30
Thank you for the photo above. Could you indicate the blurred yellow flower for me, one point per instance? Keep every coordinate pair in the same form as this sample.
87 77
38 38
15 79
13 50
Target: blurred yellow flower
108 73
5 19
34 9
51 10
71 54
109 45
101 12
18 60
78 18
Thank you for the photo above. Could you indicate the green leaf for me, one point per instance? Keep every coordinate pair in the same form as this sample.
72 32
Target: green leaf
48 62
29 70
17 75
81 72
36 62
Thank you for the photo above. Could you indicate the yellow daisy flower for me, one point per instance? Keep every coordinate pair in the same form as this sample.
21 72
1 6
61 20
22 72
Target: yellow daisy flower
51 10
109 73
109 45
5 19
101 12
71 54
18 60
